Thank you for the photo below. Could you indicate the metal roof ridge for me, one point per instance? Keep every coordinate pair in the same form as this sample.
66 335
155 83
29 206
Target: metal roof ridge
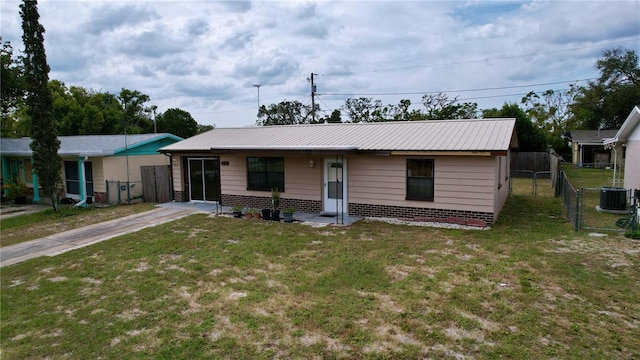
365 123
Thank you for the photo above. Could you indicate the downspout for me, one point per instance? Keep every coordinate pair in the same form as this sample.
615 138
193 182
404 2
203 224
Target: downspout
615 161
82 183
5 171
34 181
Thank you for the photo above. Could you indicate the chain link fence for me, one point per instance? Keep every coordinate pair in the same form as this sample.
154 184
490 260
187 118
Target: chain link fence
604 208
531 183
123 192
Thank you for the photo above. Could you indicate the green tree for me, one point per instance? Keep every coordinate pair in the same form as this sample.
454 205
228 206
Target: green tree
284 113
369 110
530 137
551 113
358 110
606 102
135 115
177 122
335 117
204 128
11 90
45 144
79 111
440 107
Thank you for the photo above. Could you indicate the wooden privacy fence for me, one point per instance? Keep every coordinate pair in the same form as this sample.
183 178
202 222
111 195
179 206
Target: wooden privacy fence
534 161
156 183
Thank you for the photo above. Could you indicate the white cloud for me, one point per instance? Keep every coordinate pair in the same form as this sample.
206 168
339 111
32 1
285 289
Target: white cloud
204 57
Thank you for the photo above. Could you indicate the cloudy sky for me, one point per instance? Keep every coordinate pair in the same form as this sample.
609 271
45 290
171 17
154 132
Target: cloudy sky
205 56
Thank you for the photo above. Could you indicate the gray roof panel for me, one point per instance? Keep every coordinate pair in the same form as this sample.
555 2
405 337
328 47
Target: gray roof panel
81 145
431 135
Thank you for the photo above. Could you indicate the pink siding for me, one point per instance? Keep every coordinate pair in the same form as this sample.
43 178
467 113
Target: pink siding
466 183
461 183
503 179
301 181
632 164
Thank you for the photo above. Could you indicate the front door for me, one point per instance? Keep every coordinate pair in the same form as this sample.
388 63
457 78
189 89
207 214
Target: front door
335 185
204 179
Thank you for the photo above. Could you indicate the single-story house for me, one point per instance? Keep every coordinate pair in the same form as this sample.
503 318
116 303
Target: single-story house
587 148
627 141
417 169
89 161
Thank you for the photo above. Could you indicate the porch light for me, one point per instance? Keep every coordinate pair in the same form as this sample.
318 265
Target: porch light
311 163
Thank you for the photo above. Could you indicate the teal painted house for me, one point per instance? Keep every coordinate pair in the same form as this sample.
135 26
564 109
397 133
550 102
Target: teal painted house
90 161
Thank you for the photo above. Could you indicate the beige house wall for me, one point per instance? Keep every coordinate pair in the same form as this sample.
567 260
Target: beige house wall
115 167
632 163
98 174
300 180
503 179
468 183
462 183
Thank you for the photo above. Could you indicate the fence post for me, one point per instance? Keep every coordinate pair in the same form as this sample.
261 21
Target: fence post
578 206
118 184
106 186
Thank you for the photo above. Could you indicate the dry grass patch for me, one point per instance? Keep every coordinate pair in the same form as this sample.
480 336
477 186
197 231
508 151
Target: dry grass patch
204 287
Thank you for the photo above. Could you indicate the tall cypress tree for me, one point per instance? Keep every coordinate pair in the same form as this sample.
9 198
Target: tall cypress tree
45 144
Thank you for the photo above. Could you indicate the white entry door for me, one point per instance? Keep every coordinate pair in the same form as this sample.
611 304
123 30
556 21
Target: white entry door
335 185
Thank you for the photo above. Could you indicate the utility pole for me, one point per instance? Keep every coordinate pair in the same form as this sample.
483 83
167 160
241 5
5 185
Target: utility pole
258 86
313 100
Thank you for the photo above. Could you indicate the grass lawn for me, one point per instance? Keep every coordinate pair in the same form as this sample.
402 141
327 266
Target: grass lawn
32 226
205 287
591 178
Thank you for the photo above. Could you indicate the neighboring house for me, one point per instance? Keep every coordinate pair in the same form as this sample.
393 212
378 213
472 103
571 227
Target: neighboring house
627 141
417 169
89 160
587 148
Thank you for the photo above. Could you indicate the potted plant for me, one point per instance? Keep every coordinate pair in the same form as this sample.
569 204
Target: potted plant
17 191
287 214
248 214
275 201
255 213
237 211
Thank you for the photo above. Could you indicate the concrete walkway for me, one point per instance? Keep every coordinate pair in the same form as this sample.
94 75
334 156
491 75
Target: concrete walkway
73 239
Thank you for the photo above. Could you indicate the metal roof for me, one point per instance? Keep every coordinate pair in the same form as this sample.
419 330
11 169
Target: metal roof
430 135
83 145
591 136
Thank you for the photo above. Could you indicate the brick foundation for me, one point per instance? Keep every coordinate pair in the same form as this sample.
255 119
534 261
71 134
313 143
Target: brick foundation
100 197
180 196
473 218
264 202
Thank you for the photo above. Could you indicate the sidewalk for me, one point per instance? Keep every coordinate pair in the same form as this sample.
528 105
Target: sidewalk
73 239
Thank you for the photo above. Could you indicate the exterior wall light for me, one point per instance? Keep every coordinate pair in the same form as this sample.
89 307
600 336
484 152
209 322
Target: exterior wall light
311 163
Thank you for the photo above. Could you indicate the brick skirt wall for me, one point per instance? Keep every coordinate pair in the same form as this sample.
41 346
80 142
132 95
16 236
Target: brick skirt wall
264 202
421 214
100 197
180 196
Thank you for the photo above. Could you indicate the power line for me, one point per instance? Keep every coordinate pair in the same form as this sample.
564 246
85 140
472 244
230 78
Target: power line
476 60
458 91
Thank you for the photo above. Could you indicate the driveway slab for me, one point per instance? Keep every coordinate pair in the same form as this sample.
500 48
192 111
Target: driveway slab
73 239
